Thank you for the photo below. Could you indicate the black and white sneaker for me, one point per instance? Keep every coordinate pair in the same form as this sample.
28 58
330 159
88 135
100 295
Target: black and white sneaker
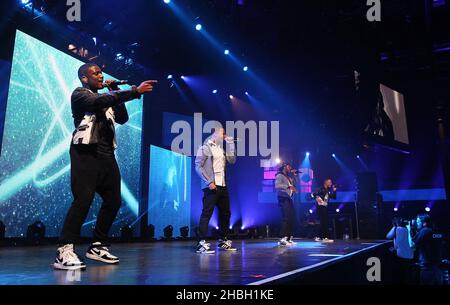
284 242
225 245
67 259
101 253
291 241
204 248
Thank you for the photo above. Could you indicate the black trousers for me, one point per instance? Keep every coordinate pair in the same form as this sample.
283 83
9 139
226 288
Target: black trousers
212 198
431 275
402 270
92 173
322 211
288 213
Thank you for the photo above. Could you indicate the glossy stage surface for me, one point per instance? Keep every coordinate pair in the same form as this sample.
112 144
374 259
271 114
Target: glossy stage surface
176 263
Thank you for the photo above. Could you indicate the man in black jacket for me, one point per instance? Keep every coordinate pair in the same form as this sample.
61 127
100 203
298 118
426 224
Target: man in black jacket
428 243
93 164
322 196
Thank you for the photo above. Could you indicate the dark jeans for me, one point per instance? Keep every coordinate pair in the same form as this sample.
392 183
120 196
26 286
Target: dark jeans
402 270
322 211
430 275
287 212
92 173
212 198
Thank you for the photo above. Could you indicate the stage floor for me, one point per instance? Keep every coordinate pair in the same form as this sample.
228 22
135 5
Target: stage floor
176 263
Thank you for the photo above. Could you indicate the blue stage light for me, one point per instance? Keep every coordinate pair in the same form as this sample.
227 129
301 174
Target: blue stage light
310 211
246 93
214 91
357 156
307 153
183 77
231 97
427 209
170 76
198 26
166 1
226 52
333 155
25 1
338 210
395 209
245 69
231 227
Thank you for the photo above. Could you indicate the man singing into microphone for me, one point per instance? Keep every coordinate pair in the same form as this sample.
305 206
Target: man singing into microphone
93 164
285 186
322 196
210 165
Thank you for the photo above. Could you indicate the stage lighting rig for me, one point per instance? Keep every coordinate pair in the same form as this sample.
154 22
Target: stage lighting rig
184 232
168 232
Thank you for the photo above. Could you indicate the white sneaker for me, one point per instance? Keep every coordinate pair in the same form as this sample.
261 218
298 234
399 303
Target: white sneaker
225 245
318 239
326 240
99 252
67 259
291 241
284 242
204 248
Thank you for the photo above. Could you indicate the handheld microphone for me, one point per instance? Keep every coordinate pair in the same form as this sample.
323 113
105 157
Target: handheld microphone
231 139
116 83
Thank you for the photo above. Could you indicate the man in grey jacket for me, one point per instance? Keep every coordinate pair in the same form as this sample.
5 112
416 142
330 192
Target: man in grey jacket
210 165
285 187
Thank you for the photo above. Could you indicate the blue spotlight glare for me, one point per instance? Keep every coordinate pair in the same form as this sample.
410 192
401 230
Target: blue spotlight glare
170 76
242 228
166 1
427 209
25 1
307 153
226 52
231 97
333 155
338 210
395 209
246 93
182 77
214 91
357 156
217 228
310 211
198 26
231 227
245 69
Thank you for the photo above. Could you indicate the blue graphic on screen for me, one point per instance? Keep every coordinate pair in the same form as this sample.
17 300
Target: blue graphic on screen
34 160
169 200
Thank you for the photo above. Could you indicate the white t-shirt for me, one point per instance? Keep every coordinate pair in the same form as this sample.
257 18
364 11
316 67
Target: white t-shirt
219 162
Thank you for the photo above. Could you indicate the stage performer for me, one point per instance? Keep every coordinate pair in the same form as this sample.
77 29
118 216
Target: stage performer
210 165
285 186
322 196
93 164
